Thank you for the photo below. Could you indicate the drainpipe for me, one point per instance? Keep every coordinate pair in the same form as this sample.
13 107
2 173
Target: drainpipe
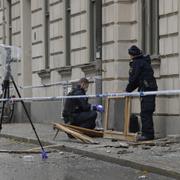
98 79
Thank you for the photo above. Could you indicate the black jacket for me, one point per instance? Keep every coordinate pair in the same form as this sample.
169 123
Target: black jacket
141 75
76 105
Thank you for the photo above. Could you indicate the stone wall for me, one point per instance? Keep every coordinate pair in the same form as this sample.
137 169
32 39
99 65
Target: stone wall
42 35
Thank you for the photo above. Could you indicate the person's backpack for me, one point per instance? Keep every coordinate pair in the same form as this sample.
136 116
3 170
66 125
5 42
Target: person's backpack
134 124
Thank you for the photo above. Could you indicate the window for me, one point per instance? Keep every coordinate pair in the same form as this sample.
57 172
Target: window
95 29
46 33
150 26
9 22
3 8
68 32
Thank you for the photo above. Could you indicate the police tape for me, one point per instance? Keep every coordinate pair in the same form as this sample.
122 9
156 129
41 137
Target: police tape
62 83
123 94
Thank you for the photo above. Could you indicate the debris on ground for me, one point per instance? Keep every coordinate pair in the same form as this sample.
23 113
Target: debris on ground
117 145
142 177
108 151
146 147
28 158
61 152
124 151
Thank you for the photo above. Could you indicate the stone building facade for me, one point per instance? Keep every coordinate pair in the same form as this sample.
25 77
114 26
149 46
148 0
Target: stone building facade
63 40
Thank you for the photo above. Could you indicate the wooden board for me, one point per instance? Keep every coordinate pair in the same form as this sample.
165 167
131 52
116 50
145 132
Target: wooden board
120 136
75 133
88 132
127 115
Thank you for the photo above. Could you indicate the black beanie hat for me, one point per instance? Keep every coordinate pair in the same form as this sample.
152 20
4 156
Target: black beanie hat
134 51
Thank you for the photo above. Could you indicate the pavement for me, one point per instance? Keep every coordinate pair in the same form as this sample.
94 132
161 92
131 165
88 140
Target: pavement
161 156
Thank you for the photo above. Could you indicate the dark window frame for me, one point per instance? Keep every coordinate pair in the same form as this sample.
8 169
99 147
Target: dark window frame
9 21
95 21
150 26
68 32
47 33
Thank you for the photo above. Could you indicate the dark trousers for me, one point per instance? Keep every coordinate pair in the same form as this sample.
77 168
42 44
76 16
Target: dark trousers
147 109
85 119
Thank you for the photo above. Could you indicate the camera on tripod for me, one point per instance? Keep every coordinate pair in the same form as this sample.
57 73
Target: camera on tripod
8 55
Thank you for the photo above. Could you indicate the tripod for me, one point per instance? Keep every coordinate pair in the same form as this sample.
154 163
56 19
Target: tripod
6 93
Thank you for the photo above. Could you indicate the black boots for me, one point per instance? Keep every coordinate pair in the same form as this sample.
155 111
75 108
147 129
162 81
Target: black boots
144 138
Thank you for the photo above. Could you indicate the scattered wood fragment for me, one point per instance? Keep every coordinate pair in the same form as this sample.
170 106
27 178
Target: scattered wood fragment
155 142
149 143
45 147
114 145
19 151
23 151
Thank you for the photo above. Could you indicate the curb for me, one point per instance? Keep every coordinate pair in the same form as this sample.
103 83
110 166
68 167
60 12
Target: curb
102 157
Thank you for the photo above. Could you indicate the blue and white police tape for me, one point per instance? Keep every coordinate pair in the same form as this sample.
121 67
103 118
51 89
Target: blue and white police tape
62 83
123 94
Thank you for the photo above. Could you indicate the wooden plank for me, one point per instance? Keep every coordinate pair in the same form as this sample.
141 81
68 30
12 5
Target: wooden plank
45 147
106 113
88 132
75 133
56 134
67 130
19 151
125 118
116 97
126 115
150 143
119 136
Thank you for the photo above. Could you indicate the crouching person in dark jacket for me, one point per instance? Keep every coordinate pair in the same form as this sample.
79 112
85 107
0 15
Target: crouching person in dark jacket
141 76
77 111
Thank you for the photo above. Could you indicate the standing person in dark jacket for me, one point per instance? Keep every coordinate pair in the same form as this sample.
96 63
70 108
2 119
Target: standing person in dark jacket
77 111
141 76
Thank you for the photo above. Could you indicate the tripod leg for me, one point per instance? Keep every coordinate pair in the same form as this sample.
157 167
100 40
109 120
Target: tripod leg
2 113
44 156
8 91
